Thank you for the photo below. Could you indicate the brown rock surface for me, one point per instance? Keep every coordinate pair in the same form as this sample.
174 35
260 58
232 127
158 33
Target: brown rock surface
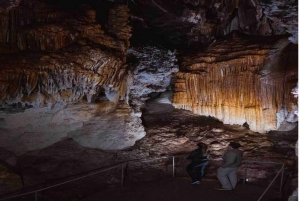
173 132
239 79
67 71
9 181
75 63
68 75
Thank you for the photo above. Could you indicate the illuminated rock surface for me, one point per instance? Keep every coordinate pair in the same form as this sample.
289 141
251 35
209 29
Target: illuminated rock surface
240 80
169 132
91 125
86 84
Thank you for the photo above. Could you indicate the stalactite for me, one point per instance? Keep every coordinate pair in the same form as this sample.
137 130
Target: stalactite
55 79
232 87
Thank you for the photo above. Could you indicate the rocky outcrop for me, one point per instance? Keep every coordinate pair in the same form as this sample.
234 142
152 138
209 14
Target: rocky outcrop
77 72
152 72
103 125
184 23
170 132
77 69
59 57
176 132
38 26
9 4
69 62
9 181
280 20
240 80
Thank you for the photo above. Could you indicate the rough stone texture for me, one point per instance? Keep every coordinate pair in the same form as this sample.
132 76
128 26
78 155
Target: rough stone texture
152 70
176 132
9 181
101 125
294 196
47 78
283 17
169 132
240 79
57 56
44 79
8 157
188 23
79 65
36 25
5 4
67 158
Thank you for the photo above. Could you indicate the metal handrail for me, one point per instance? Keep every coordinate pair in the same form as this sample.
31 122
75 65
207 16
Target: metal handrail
266 162
124 165
280 171
102 170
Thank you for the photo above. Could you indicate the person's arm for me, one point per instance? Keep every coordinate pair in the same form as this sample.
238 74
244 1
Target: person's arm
207 154
229 159
195 154
191 155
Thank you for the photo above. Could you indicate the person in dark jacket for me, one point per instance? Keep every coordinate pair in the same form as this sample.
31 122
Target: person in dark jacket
199 160
227 173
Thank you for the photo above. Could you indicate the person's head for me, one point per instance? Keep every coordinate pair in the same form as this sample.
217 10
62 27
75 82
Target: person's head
234 145
202 146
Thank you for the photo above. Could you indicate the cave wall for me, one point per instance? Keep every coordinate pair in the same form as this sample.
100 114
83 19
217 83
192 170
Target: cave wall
107 74
63 60
240 80
100 125
52 58
54 55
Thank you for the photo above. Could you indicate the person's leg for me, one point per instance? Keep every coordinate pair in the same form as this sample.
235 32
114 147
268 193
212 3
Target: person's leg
233 177
190 170
222 176
200 169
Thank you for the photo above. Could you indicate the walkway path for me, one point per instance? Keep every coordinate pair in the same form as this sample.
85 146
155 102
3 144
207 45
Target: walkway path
166 189
180 189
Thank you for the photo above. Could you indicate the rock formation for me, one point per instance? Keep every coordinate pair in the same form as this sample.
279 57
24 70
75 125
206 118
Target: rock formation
56 58
121 77
240 80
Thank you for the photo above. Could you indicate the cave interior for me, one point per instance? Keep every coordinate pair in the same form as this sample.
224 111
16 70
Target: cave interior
86 84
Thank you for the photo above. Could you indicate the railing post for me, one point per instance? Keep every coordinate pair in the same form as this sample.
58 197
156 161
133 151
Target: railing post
122 178
245 175
173 166
35 196
270 184
281 180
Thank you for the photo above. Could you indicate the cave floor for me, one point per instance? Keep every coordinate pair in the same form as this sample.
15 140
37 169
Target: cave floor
164 189
180 189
